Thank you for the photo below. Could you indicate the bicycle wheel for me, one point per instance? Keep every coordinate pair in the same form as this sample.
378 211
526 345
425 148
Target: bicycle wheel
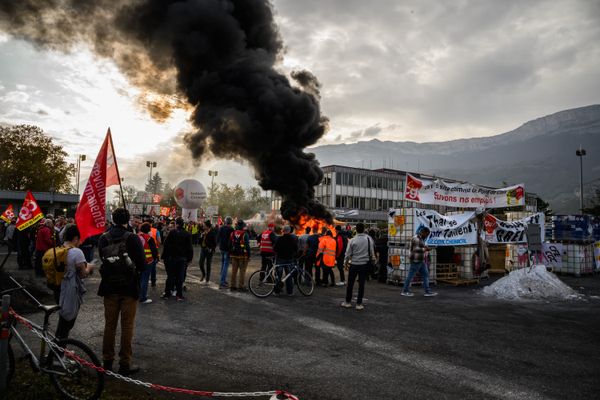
70 376
305 283
261 284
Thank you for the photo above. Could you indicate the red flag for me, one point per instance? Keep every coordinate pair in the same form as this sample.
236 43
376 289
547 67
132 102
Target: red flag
112 171
91 211
30 212
156 198
8 215
164 211
220 221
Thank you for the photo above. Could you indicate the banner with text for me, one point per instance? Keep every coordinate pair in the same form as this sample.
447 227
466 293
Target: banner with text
462 195
447 230
498 231
597 255
8 214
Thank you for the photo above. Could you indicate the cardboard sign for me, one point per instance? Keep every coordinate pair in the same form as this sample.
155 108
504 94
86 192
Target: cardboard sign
534 237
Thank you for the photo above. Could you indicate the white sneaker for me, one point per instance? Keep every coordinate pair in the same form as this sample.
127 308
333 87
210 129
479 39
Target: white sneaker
430 294
360 307
173 292
346 305
340 284
147 301
407 294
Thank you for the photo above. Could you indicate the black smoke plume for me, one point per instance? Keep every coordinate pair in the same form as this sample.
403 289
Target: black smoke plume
220 56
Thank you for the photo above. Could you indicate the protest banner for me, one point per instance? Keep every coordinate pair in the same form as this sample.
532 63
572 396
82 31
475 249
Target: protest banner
164 211
153 209
135 208
461 195
8 214
30 212
597 255
447 230
498 231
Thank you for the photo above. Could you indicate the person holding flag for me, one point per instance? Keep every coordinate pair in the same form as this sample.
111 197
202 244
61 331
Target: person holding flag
29 215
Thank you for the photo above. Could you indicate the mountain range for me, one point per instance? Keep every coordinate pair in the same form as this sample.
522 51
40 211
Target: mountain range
539 153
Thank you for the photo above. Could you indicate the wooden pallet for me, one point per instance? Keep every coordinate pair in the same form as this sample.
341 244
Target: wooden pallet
459 282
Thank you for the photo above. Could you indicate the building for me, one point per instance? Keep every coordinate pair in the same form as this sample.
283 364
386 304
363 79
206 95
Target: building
365 195
50 202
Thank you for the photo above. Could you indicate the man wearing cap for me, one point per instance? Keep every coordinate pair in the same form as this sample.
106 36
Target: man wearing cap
267 240
240 254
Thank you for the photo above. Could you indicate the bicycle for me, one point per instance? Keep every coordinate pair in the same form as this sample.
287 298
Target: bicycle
64 360
263 283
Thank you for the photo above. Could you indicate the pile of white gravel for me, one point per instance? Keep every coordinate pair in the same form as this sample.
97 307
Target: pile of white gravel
534 283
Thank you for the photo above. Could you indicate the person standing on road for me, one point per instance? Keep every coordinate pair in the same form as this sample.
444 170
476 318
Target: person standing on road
359 254
286 249
72 287
267 240
208 244
44 241
340 251
312 246
178 253
326 257
223 237
123 261
151 256
417 263
240 254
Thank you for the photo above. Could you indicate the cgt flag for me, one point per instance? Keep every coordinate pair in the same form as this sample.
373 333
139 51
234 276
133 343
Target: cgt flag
30 212
91 211
8 215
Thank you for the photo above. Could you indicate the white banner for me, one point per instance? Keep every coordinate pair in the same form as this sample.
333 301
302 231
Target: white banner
552 254
498 231
153 209
447 230
212 210
462 195
135 208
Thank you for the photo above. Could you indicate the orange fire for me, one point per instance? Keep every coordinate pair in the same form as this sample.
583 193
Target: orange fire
315 224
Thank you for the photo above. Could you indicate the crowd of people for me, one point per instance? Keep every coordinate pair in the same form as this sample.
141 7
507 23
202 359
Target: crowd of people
129 250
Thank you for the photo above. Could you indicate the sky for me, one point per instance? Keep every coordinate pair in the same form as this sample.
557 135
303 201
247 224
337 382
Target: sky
393 70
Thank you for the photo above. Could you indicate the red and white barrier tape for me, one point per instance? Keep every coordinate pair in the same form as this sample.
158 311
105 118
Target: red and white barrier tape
275 394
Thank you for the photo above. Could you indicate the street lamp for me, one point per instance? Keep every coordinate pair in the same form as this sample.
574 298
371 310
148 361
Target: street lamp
150 164
80 158
212 183
580 153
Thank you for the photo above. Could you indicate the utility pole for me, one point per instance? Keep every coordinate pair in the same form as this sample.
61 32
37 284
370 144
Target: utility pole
580 153
80 158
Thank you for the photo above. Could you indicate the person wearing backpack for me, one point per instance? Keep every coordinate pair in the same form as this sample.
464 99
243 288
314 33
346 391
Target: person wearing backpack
123 261
72 287
240 254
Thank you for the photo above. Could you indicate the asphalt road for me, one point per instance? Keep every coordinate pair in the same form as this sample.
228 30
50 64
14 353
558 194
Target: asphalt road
459 345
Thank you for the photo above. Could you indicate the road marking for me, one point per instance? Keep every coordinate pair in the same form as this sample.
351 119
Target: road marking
489 385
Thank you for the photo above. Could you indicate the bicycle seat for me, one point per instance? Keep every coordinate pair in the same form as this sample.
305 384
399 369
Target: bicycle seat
49 309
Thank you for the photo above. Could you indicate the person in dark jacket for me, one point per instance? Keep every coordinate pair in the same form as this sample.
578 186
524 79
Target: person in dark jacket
120 288
177 253
223 239
208 244
286 250
312 243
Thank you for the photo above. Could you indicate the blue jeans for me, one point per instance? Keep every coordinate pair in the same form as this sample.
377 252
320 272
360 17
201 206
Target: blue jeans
144 278
421 268
224 266
287 267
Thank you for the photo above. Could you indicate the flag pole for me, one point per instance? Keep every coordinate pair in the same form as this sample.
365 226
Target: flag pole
117 167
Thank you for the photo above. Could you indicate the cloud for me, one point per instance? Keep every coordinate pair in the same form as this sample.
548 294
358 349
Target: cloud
443 70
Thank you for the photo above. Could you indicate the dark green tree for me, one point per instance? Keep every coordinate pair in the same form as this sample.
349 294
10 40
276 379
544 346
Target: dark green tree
593 205
154 185
30 160
543 206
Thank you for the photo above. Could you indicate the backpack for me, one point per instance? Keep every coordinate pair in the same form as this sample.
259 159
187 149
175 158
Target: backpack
54 263
237 245
117 269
